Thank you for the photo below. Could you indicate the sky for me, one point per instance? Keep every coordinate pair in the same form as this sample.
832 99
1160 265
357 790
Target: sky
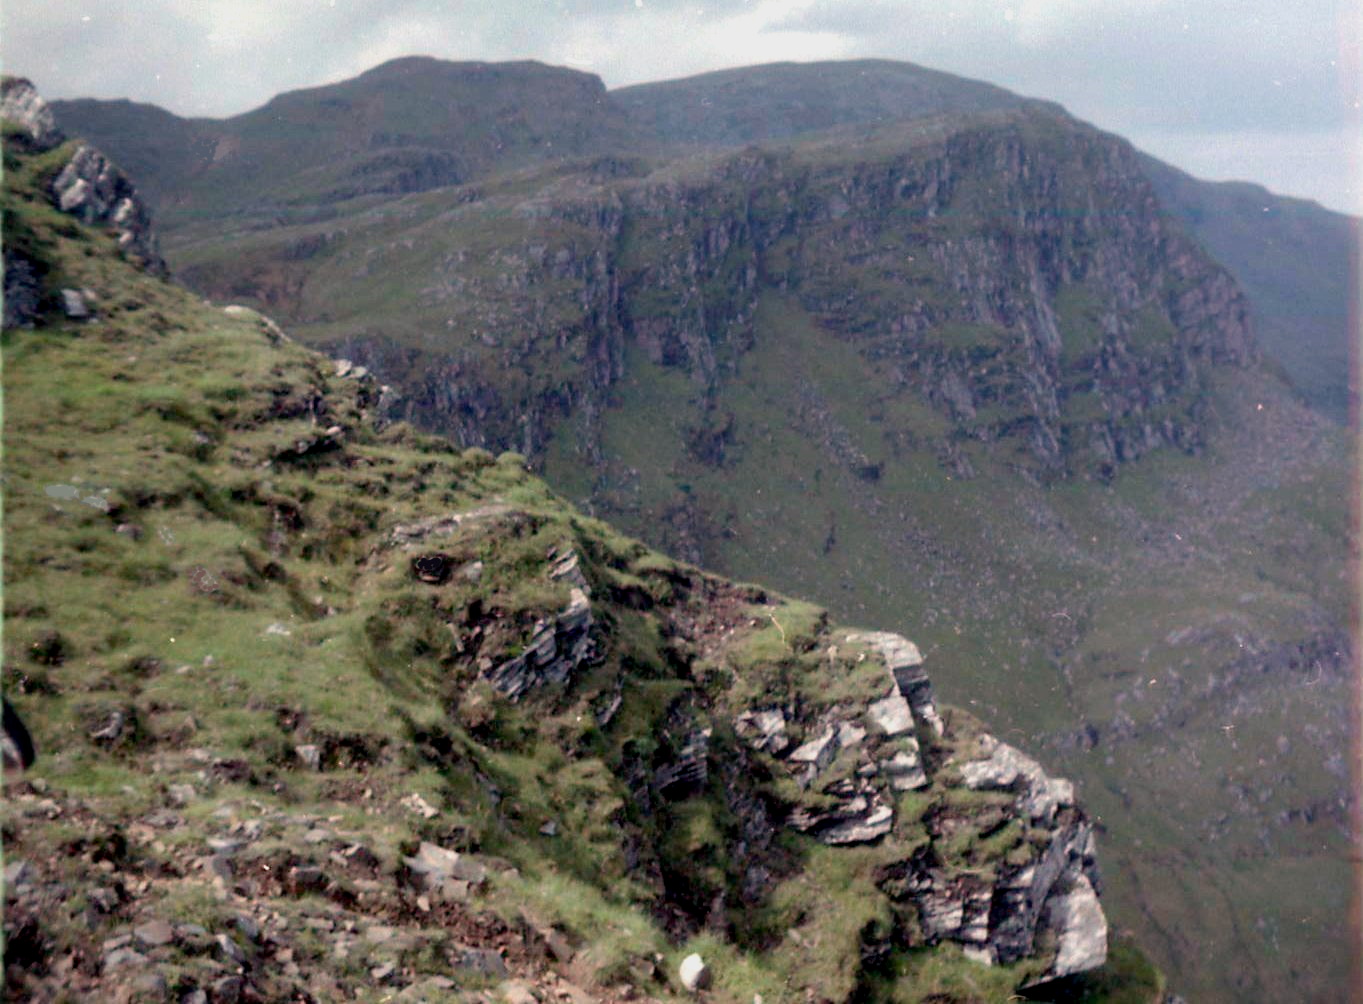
1257 90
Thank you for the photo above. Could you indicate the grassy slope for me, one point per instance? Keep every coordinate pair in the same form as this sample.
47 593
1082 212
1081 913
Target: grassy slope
174 557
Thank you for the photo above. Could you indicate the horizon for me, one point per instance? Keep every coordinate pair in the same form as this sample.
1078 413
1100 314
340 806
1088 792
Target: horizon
610 89
1225 92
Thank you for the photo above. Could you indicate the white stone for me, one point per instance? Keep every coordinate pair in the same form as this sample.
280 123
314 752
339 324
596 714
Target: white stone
695 975
891 715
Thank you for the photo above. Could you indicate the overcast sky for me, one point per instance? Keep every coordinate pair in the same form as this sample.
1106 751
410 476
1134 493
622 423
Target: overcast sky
1263 90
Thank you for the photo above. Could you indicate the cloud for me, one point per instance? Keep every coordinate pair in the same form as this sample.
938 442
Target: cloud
1204 70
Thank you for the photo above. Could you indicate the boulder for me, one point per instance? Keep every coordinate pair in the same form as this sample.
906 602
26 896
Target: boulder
694 974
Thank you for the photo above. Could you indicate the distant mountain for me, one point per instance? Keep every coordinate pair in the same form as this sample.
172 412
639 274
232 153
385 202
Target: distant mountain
943 358
408 125
1295 260
419 123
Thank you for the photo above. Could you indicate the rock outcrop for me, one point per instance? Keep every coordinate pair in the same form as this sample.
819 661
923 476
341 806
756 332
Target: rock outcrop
91 188
855 761
88 187
28 114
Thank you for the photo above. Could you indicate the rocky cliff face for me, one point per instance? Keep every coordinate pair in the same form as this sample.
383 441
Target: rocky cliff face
1016 274
85 185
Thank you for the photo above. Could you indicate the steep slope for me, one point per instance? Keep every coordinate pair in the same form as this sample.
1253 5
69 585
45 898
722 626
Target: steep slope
327 709
960 375
1294 259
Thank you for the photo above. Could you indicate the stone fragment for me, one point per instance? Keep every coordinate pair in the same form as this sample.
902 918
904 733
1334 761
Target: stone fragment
482 961
518 992
819 751
19 874
415 803
764 730
694 974
228 950
227 990
309 755
74 305
905 664
121 958
153 934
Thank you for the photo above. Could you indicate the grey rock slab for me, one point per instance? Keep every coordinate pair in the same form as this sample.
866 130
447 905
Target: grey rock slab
905 771
482 961
819 751
878 821
19 874
891 715
1077 917
153 934
122 958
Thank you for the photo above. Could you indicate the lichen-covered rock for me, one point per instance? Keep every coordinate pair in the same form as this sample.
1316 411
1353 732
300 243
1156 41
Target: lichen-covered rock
22 105
91 188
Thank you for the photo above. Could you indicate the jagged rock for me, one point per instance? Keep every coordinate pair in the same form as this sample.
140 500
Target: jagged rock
1009 769
1077 918
905 664
818 752
860 816
90 187
764 730
689 770
21 104
694 974
553 654
568 568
